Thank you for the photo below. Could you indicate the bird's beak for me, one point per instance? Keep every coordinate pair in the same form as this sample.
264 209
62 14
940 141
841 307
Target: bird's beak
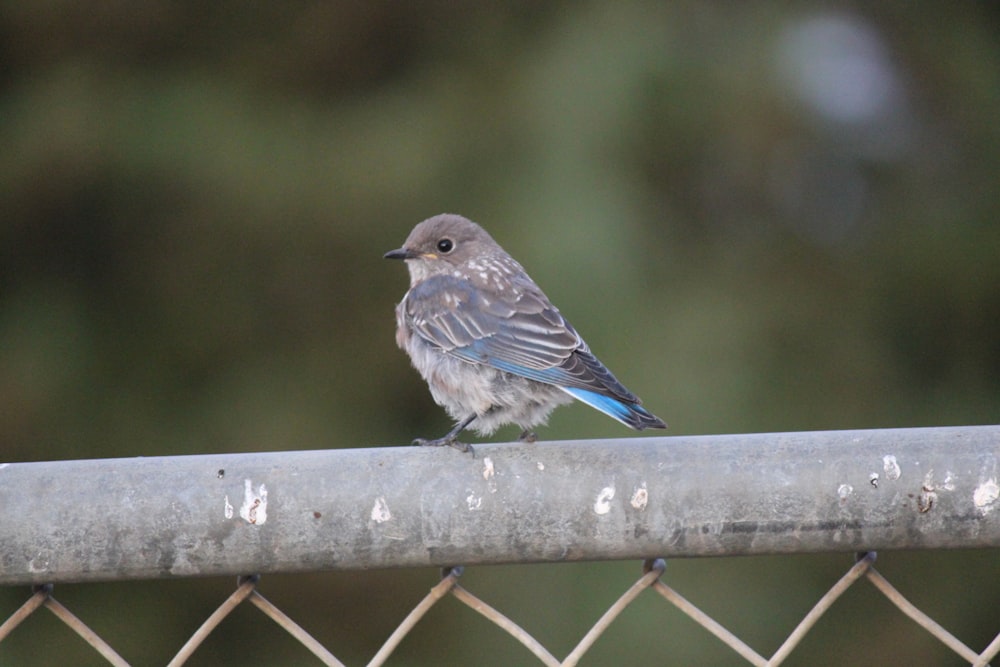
400 253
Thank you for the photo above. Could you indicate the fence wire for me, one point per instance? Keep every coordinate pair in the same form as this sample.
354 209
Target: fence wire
651 579
961 492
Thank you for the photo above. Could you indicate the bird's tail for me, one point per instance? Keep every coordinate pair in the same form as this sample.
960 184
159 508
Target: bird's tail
632 415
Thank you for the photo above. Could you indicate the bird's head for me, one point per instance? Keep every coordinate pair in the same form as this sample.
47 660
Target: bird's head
441 244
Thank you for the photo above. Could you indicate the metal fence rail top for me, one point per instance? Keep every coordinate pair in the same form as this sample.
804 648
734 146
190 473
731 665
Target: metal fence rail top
638 498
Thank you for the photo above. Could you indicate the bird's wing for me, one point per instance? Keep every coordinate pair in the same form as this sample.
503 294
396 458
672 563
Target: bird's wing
527 336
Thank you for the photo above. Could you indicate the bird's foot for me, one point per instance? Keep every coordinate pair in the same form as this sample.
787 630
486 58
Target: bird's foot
449 441
527 436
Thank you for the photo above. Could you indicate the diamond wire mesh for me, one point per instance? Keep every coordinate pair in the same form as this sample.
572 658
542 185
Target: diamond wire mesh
651 579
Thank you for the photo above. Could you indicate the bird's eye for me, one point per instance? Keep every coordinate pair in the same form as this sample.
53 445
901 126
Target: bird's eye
445 245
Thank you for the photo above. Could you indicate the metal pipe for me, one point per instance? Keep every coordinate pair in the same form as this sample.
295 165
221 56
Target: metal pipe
181 516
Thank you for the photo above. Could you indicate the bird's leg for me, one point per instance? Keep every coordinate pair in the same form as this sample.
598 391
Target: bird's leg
527 436
450 438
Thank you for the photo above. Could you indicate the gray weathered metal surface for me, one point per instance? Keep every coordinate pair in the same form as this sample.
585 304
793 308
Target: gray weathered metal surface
550 501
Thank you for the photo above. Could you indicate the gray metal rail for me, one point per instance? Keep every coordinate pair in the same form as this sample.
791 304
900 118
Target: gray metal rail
114 519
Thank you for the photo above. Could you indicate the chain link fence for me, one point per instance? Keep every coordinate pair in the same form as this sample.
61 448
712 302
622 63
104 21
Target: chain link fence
644 498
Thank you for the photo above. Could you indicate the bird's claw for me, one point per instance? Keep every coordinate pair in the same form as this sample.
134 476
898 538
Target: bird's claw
527 436
446 441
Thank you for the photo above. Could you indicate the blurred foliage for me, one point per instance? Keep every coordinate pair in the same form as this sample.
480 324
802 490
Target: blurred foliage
761 217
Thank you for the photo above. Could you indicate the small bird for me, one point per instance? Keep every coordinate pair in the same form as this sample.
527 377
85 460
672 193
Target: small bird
491 346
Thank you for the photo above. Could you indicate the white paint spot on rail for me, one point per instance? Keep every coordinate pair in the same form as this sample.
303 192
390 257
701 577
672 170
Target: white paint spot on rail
254 507
890 467
844 491
985 496
380 510
640 498
604 497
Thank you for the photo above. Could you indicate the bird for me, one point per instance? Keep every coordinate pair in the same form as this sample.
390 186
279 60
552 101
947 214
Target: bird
490 345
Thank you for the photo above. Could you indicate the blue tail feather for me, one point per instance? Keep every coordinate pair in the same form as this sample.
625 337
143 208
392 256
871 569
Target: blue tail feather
632 415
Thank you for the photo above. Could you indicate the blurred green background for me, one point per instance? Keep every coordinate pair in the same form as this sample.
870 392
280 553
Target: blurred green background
762 217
